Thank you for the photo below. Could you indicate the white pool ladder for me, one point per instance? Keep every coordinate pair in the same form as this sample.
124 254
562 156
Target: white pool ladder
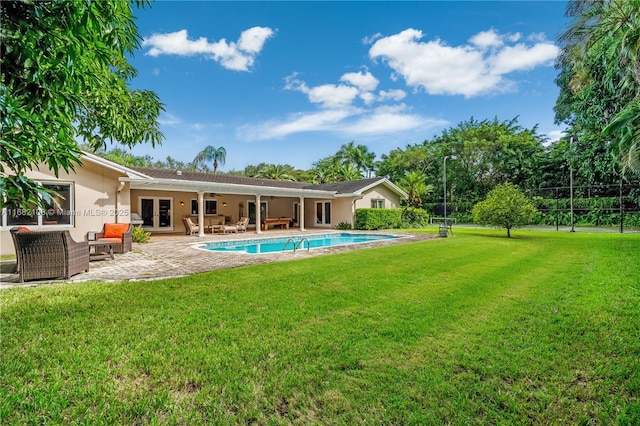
296 246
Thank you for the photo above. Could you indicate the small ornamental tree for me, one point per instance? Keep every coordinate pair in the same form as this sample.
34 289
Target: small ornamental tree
504 207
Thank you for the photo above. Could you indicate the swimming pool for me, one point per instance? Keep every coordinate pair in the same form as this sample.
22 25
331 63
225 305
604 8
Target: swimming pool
288 244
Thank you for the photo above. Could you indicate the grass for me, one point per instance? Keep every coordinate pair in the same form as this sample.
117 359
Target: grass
543 328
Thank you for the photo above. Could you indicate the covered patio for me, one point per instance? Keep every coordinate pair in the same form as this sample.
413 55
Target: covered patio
162 202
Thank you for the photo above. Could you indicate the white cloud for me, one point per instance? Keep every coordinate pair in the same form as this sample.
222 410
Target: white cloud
238 56
487 39
395 95
368 97
341 112
468 70
308 122
333 96
253 39
365 82
371 39
521 57
168 119
514 37
350 122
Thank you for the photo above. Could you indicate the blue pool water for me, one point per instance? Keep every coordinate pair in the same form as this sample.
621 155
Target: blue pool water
276 245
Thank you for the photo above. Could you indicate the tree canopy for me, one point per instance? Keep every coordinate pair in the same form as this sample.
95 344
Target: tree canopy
599 80
505 207
64 76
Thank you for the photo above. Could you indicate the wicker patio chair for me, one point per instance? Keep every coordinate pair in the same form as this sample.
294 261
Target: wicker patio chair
118 234
45 255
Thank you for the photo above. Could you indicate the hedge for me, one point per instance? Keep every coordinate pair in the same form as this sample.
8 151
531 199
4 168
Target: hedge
370 219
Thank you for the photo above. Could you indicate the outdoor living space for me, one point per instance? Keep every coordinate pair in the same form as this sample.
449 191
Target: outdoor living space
426 332
174 255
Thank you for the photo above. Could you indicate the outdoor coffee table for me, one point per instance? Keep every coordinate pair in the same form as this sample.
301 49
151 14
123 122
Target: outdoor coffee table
101 250
223 229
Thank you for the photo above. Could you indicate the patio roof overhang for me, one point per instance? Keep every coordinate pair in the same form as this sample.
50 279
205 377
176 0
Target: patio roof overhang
224 188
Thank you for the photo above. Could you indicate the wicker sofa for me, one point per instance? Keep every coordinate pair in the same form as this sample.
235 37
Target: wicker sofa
45 255
118 234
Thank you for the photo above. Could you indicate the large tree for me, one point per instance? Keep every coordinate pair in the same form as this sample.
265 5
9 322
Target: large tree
489 152
599 79
63 77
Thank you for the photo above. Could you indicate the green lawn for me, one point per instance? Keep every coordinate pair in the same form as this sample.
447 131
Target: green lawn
542 328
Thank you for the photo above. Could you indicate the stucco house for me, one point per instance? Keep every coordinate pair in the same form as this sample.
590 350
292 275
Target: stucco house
101 191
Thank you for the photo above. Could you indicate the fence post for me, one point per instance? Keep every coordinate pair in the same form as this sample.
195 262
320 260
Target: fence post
621 209
557 212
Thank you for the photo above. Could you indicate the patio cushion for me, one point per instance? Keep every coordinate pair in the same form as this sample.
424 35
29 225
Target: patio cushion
23 229
115 230
112 240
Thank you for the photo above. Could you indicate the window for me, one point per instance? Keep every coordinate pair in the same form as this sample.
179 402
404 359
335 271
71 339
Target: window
210 207
323 213
377 203
58 212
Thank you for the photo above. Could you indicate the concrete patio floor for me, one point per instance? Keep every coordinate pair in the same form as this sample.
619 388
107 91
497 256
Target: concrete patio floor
174 256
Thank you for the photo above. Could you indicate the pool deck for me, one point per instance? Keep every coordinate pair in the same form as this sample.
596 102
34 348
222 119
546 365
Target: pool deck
174 256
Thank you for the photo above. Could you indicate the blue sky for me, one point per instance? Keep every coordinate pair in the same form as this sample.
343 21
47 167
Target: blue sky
290 82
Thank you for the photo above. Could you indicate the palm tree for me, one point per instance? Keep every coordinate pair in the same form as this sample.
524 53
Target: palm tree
414 184
348 171
211 153
325 170
276 172
359 155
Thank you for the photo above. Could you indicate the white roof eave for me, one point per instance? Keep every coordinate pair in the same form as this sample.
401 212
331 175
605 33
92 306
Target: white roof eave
223 188
386 182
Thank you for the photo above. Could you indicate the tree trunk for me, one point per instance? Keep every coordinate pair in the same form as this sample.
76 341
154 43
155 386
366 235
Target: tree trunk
508 231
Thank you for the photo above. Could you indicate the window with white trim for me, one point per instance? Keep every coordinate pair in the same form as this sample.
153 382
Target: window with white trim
210 207
323 213
377 203
58 212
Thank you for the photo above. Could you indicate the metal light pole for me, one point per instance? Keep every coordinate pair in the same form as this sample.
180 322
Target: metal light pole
444 183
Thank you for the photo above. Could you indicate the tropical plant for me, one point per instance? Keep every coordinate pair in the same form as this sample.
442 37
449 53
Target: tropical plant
121 156
325 170
358 155
211 153
343 226
276 172
64 76
139 235
347 172
415 186
626 127
599 76
504 207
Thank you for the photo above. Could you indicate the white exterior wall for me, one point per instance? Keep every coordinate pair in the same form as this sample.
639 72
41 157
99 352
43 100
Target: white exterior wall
94 201
392 199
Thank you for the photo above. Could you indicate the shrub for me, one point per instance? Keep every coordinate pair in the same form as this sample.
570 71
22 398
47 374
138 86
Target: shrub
343 226
414 218
139 235
369 219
